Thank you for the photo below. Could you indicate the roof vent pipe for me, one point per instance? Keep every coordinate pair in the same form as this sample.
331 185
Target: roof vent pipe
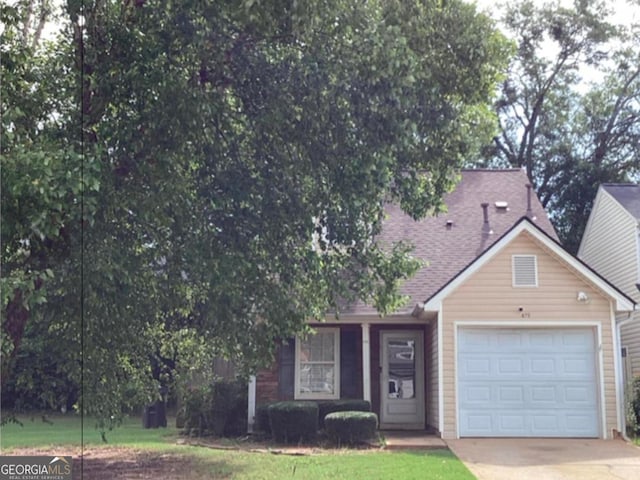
529 211
485 213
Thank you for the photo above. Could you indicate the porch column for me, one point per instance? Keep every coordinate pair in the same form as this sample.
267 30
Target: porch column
366 363
251 407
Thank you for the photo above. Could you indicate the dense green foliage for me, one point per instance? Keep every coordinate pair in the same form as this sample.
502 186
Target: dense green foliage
632 407
569 109
262 424
350 427
218 409
175 173
293 422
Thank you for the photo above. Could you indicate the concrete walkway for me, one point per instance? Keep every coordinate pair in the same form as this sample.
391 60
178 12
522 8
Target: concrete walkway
548 459
409 440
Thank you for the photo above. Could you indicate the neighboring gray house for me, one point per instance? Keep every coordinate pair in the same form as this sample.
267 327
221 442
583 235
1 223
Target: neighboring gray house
611 246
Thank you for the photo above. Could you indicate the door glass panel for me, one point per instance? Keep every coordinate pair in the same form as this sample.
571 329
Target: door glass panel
402 368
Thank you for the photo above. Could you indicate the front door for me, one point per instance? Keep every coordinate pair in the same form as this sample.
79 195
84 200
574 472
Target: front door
402 380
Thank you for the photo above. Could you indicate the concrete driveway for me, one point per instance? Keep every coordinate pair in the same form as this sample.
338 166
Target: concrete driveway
548 458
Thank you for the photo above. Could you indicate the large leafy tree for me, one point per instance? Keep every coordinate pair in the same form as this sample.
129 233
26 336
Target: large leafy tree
235 162
42 187
569 110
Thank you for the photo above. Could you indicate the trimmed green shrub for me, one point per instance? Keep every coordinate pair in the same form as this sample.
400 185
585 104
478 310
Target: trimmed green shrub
346 405
350 427
292 422
262 418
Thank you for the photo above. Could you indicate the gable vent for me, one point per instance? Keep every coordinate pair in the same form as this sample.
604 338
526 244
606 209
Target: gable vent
525 271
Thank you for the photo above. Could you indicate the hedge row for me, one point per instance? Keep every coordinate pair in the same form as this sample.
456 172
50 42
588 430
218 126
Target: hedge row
295 421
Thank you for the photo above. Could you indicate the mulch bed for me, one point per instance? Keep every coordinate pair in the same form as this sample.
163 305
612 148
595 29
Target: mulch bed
111 463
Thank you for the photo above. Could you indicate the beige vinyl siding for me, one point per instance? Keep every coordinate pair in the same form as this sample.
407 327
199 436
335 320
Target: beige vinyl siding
488 295
610 245
432 376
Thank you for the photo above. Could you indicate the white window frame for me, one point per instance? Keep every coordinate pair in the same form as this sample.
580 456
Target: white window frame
513 270
299 395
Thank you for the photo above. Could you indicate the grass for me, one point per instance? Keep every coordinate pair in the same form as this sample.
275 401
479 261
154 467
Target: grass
434 464
159 445
70 430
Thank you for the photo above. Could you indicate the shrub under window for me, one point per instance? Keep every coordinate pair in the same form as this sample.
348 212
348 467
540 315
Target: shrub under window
293 422
350 427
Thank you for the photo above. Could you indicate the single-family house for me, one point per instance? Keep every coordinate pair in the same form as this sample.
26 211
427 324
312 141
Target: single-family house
505 334
611 246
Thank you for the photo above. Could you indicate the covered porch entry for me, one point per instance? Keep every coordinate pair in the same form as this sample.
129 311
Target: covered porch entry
390 362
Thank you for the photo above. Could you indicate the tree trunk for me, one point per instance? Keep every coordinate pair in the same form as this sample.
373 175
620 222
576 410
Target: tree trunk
15 321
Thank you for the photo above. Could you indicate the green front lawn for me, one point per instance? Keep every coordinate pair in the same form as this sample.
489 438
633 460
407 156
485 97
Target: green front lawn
158 447
71 430
433 464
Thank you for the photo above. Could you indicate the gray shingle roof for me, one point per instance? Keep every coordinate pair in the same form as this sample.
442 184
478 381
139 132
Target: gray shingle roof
449 249
627 194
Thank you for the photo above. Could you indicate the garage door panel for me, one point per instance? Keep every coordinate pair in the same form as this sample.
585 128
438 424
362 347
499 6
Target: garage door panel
577 366
511 423
502 392
509 340
578 423
575 341
476 366
476 395
510 366
526 423
580 394
542 340
543 366
544 394
545 424
511 394
479 422
570 365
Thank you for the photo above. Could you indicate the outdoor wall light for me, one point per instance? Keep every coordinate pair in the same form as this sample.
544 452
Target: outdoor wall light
582 297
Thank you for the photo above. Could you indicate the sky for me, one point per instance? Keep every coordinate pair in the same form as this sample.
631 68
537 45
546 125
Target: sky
624 12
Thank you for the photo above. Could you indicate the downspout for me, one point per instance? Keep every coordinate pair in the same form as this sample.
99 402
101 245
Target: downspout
440 372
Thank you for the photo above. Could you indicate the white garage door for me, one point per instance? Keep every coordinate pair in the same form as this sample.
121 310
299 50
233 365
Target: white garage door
527 383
